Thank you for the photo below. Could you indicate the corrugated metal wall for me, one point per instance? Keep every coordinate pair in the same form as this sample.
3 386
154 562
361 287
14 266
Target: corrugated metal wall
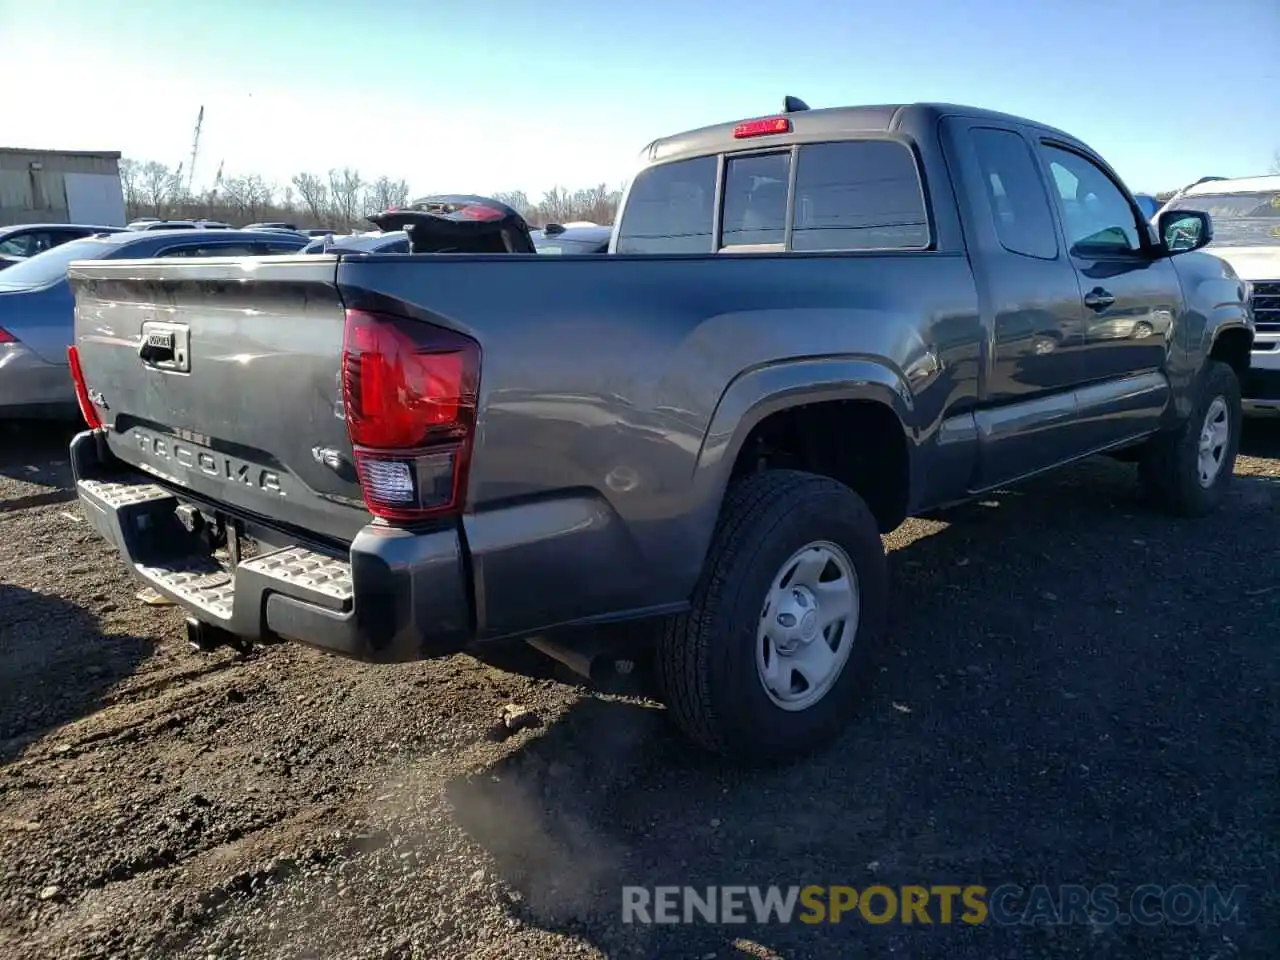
40 196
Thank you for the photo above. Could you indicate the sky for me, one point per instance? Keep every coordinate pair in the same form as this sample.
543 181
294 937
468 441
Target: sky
494 95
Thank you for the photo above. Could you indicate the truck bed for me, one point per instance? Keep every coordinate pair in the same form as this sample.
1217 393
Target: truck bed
611 390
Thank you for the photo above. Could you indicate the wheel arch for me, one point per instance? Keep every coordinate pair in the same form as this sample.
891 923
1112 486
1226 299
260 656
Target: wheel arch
1232 344
860 386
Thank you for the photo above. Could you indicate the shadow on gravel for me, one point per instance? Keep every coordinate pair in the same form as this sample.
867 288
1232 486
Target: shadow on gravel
1076 691
55 665
1261 437
35 451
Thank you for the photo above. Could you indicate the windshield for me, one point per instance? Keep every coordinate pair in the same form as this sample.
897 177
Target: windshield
1239 219
51 265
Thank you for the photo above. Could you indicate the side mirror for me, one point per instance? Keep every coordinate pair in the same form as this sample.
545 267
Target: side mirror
1184 230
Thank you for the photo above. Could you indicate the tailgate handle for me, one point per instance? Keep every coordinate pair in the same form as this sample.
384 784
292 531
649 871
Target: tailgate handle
164 345
156 348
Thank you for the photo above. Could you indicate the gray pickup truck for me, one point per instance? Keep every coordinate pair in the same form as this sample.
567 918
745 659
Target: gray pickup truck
809 327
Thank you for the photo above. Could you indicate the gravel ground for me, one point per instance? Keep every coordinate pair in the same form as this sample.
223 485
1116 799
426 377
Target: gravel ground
1077 690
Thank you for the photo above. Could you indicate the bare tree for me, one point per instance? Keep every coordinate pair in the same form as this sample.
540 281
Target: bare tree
345 193
156 184
339 199
315 196
596 204
556 206
250 196
518 201
1275 162
384 194
130 175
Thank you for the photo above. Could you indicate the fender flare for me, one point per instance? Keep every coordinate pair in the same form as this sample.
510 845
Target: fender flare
1215 333
762 391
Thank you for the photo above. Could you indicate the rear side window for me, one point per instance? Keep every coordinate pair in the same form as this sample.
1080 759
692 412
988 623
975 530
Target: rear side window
858 195
670 209
1019 204
755 200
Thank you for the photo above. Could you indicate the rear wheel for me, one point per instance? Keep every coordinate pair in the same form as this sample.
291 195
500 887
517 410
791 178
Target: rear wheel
1188 471
791 605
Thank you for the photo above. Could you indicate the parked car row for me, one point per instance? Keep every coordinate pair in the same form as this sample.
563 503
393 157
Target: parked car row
17 243
37 308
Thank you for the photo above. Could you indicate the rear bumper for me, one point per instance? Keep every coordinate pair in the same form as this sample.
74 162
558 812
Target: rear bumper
395 596
29 384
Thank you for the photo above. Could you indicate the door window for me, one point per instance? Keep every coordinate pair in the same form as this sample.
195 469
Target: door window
211 250
276 248
1096 215
28 244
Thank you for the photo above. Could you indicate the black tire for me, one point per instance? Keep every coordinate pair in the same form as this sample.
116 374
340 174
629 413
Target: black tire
706 662
1169 468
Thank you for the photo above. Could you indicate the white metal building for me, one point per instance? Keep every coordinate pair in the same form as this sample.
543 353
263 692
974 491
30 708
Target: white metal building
60 186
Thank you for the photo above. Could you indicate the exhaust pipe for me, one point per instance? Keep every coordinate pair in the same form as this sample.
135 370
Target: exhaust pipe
607 669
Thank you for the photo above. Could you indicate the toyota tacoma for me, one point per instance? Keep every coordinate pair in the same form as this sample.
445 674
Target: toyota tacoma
808 327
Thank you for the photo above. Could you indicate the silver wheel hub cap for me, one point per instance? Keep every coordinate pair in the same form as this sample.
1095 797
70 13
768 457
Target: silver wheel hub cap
1214 435
807 626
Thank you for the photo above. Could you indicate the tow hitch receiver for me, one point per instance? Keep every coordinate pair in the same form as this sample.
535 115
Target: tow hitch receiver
206 638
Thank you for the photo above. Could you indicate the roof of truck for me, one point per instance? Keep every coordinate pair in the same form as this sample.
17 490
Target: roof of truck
832 122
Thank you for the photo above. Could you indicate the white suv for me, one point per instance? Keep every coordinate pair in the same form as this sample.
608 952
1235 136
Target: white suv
1246 234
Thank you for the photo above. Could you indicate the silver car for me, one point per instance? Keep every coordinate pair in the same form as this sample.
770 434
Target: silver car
37 309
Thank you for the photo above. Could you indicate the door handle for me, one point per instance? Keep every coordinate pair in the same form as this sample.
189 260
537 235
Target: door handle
1098 299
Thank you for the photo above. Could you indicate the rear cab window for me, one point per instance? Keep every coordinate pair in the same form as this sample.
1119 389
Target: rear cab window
844 195
755 201
671 209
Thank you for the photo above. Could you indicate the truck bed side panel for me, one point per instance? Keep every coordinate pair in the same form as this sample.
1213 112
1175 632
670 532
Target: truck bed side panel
601 378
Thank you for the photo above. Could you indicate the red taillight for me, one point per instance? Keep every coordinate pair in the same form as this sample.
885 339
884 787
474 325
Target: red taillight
475 211
409 395
760 128
6 336
87 409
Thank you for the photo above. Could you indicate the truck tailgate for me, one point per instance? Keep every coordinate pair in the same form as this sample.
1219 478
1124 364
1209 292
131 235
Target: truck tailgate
222 376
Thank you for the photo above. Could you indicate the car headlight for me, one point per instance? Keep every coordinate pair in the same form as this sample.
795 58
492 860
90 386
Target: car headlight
1246 290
